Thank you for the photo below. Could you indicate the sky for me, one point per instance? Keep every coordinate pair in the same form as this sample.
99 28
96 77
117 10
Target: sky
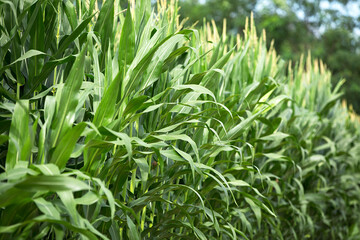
352 8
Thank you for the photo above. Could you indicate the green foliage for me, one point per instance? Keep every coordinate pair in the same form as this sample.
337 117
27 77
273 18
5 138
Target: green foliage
119 124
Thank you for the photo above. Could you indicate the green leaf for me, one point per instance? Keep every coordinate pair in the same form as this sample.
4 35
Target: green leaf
183 137
109 196
69 39
68 99
70 14
66 145
195 88
135 104
47 169
256 209
278 136
16 174
87 199
133 233
19 136
127 43
104 25
244 125
44 74
47 208
29 54
51 183
106 110
125 138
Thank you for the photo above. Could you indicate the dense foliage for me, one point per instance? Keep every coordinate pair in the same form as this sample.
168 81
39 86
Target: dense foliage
119 124
329 29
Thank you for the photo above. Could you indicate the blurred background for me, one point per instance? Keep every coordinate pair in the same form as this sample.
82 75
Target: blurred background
329 29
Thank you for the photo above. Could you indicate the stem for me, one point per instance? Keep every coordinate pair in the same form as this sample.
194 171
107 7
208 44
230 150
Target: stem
18 85
57 43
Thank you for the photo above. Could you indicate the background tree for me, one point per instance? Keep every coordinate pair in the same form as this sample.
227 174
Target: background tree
329 29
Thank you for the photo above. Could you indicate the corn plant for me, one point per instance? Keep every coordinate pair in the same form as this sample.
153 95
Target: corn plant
120 124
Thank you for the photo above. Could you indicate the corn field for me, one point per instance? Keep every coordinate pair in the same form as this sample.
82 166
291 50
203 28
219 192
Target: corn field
121 124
